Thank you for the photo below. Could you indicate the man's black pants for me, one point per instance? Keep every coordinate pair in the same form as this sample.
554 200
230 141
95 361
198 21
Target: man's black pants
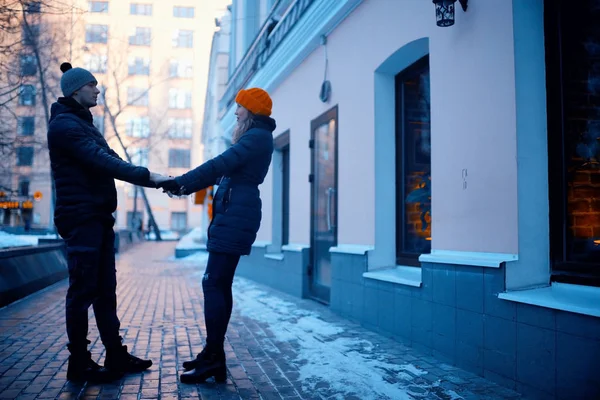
92 282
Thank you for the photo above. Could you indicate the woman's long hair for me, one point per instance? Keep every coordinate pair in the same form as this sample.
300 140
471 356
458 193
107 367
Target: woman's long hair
242 127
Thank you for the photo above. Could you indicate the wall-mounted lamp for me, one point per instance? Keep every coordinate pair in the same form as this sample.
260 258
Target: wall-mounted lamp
444 11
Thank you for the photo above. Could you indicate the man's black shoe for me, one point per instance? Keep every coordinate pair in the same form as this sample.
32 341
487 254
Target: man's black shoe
118 359
83 369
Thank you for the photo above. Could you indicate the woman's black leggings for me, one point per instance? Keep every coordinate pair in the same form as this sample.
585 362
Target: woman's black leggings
218 300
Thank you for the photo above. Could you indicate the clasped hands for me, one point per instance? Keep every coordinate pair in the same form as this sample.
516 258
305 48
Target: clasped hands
167 183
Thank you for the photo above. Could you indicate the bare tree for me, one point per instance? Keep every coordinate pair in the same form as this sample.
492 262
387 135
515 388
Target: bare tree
32 41
115 106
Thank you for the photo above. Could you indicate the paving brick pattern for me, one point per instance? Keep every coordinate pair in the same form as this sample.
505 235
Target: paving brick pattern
160 306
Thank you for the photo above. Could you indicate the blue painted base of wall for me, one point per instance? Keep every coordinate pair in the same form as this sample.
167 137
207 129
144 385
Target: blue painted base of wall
287 274
457 317
26 270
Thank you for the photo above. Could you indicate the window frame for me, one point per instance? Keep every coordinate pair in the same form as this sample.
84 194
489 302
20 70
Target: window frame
21 123
24 181
562 269
142 6
403 258
180 124
137 124
30 34
183 214
96 63
172 158
104 10
178 12
282 148
20 156
32 71
178 37
180 99
141 97
32 94
140 156
138 69
90 29
142 37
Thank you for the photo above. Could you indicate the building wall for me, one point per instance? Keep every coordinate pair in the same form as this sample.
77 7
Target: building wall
487 209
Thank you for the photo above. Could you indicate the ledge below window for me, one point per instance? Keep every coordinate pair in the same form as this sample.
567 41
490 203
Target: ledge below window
410 276
560 296
275 256
294 247
491 260
356 249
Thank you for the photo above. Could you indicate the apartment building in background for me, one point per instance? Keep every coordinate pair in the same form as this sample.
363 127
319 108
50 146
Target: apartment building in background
151 61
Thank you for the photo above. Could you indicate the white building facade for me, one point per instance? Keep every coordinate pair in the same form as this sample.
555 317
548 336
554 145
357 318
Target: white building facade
435 184
214 139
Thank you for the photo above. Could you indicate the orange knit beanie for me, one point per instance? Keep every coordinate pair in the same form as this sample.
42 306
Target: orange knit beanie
255 100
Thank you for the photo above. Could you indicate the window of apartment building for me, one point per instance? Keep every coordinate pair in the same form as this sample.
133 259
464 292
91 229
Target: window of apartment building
98 6
413 163
24 186
140 9
99 123
25 156
95 63
573 82
183 12
180 128
142 36
180 98
137 96
28 65
30 34
139 156
26 126
179 158
96 33
139 66
138 127
183 38
181 69
178 221
33 7
27 95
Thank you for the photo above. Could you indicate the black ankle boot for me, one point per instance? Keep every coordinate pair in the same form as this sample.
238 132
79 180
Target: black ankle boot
83 369
190 365
118 359
206 365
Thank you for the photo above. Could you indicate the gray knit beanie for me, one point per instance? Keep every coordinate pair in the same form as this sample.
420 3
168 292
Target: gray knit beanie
74 78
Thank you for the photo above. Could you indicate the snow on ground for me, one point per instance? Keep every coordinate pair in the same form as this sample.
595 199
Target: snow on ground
10 240
164 235
350 366
192 240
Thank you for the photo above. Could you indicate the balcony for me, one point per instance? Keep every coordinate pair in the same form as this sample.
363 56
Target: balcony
271 35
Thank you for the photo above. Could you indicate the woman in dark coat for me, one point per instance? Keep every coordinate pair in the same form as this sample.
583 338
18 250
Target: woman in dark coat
236 219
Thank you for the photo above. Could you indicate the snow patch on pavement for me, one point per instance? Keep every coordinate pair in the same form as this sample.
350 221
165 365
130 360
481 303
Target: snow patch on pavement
11 240
328 362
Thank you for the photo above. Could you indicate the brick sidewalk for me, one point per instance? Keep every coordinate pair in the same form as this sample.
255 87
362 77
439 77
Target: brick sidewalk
278 346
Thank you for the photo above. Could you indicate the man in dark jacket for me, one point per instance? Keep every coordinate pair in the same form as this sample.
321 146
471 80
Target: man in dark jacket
84 168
